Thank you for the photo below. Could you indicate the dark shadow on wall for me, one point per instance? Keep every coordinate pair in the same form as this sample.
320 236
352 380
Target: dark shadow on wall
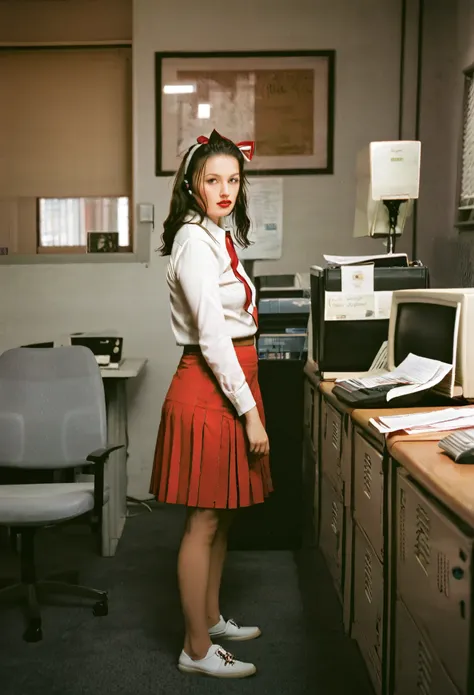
453 261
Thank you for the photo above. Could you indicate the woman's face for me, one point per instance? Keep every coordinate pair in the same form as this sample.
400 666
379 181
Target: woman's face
219 186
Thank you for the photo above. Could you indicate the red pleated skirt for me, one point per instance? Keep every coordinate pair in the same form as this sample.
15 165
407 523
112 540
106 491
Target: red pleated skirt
201 455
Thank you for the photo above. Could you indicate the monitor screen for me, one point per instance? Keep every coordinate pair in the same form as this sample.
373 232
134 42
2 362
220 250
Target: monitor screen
424 329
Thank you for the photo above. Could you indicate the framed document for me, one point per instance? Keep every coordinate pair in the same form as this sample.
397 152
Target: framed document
284 101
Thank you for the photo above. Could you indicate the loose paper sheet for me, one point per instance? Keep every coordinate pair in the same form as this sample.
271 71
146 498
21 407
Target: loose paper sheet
266 216
433 421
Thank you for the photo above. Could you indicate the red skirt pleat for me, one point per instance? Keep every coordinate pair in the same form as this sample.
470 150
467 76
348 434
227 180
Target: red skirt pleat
201 455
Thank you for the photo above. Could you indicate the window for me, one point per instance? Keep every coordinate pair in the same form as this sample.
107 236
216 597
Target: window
466 193
65 138
68 222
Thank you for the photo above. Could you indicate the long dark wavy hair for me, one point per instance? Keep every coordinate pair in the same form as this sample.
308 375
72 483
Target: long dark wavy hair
182 203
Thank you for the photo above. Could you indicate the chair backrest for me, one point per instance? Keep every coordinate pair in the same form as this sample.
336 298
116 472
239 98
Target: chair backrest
52 407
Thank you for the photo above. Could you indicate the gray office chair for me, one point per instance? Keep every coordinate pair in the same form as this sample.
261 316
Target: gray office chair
52 417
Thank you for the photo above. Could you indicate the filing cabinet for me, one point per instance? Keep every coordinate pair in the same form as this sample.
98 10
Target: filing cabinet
311 493
331 445
417 666
316 482
368 490
336 527
399 559
434 577
368 621
331 532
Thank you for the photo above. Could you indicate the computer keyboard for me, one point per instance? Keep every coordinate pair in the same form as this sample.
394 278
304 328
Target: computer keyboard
363 397
459 446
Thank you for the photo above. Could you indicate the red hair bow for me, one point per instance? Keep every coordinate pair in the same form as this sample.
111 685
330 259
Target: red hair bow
247 147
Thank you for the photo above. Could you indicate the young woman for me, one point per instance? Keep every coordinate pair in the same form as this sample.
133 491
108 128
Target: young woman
212 449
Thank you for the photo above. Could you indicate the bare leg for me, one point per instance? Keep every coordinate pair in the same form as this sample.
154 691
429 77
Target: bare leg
193 575
218 554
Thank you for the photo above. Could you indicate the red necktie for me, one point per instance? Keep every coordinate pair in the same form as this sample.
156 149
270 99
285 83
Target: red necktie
234 262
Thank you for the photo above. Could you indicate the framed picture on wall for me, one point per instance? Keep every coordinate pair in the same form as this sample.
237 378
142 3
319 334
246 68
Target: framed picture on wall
282 100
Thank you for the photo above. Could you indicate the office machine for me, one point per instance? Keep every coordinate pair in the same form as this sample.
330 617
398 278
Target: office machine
437 324
421 321
340 347
106 348
283 310
459 446
283 306
388 181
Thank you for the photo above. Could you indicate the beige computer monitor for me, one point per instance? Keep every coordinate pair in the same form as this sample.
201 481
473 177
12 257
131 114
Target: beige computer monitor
433 306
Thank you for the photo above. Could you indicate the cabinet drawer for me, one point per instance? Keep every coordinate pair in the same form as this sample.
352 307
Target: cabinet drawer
331 445
434 576
368 606
417 666
368 485
331 530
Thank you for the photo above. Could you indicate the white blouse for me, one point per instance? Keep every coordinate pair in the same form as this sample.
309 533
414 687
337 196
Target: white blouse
208 304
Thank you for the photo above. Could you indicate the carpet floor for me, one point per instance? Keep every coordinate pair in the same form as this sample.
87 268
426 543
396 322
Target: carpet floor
134 649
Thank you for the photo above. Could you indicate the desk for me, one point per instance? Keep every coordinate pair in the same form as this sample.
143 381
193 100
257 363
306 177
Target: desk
115 511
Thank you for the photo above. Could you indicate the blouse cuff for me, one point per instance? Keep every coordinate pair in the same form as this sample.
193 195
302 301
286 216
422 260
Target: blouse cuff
243 400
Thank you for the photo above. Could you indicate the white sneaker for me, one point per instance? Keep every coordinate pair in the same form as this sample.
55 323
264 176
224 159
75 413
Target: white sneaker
232 631
218 663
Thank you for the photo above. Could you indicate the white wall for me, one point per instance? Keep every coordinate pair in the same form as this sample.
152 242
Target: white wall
43 301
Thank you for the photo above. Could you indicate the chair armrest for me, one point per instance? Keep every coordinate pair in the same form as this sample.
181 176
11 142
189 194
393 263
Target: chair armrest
98 458
101 455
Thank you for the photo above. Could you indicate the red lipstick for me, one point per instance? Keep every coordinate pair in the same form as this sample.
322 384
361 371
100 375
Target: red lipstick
224 203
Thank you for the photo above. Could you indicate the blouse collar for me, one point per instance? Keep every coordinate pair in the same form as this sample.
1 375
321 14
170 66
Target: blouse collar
216 230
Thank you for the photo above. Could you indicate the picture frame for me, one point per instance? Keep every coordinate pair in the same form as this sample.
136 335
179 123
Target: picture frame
283 100
102 242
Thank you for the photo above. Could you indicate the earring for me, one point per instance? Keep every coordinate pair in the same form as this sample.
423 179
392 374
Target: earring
188 187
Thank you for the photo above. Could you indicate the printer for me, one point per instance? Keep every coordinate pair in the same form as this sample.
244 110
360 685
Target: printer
106 347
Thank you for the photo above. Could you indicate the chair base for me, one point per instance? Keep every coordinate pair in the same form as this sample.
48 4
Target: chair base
30 595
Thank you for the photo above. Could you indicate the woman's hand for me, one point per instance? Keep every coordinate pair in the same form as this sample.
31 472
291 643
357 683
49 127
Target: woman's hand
256 434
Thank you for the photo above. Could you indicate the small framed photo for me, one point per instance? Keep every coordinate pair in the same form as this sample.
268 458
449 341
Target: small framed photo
284 101
102 242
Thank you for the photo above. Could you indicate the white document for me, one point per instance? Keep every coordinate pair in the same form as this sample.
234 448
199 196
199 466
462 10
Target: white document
414 374
348 307
383 304
357 279
420 374
354 260
437 420
355 306
266 218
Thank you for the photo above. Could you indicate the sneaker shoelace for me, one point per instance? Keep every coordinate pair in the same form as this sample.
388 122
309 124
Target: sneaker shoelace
227 657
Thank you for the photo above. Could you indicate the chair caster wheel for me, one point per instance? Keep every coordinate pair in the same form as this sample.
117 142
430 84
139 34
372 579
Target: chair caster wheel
33 632
101 608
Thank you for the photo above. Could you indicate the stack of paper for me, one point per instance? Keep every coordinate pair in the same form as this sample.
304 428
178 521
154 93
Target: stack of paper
419 423
414 374
387 259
